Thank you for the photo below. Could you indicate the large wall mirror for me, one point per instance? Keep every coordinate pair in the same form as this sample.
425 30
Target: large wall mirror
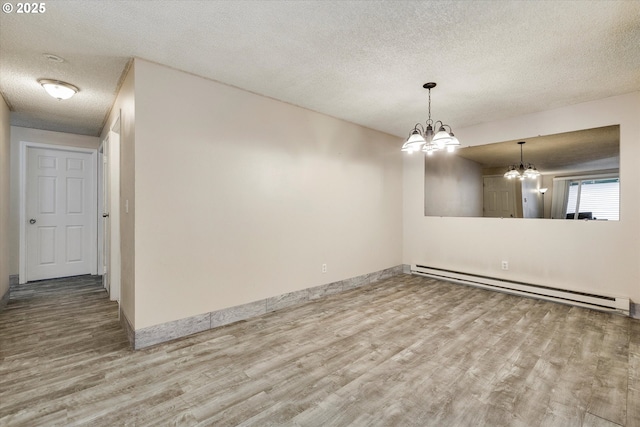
578 178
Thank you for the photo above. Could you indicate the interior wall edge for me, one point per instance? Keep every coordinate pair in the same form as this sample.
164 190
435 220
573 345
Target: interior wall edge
5 198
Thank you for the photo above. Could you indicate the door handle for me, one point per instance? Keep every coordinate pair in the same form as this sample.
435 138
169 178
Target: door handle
32 221
105 215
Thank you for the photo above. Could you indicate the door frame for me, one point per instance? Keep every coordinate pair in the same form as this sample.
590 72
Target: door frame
24 146
101 208
110 170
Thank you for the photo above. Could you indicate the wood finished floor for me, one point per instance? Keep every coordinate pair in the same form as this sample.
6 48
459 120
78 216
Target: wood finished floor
408 351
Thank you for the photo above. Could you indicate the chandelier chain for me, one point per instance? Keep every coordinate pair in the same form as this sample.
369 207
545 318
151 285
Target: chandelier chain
429 121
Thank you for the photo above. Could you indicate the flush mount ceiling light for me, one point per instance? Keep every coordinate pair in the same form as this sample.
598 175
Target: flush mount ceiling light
522 170
57 89
422 138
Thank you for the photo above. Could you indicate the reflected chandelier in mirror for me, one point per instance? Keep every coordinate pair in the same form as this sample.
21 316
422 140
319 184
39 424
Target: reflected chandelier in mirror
577 178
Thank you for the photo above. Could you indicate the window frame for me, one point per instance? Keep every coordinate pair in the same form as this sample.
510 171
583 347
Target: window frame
567 180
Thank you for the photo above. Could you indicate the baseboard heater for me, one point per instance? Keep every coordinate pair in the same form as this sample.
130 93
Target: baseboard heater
582 299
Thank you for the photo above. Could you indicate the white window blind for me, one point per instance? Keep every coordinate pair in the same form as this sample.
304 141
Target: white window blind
595 199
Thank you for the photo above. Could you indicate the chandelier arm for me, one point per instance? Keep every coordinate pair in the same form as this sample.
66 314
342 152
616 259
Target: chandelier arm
445 125
418 127
441 125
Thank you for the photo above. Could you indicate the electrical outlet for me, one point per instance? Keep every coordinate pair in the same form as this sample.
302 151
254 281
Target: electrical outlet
324 268
505 265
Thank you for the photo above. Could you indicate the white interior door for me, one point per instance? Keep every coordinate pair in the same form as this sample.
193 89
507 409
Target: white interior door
499 197
59 211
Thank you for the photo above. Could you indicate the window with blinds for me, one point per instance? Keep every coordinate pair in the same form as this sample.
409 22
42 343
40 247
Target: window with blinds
594 199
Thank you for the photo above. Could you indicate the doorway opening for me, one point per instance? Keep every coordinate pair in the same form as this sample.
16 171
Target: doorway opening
109 211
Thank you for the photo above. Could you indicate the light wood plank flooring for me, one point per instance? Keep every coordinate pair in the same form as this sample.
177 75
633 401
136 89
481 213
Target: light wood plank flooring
408 351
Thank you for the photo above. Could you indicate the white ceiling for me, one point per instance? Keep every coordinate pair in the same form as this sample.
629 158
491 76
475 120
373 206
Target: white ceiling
362 61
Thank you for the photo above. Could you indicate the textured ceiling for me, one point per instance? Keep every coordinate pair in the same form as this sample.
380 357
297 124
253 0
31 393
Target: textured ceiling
362 61
588 149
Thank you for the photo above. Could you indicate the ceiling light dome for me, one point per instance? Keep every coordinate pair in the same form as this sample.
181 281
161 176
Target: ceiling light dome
531 172
442 138
57 89
452 144
512 173
414 142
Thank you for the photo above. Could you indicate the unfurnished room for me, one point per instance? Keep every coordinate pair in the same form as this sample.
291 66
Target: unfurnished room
320 213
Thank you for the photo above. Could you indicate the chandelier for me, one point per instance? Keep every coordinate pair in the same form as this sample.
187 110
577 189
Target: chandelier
422 138
522 170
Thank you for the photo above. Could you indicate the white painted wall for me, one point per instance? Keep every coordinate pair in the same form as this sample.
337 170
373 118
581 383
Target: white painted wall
531 201
452 186
43 137
125 104
591 256
240 197
5 149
